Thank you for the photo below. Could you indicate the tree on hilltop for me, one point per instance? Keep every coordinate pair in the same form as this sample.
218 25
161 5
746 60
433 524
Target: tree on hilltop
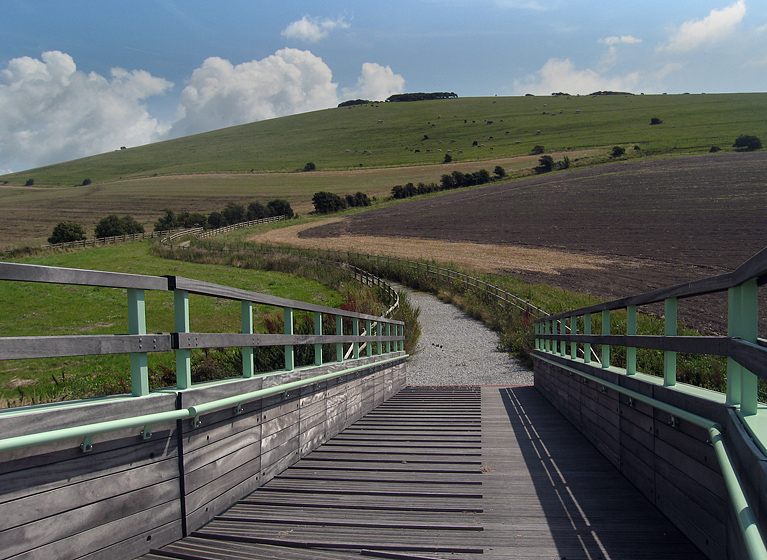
65 232
747 143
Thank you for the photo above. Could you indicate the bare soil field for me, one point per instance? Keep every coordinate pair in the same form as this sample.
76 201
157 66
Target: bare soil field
644 224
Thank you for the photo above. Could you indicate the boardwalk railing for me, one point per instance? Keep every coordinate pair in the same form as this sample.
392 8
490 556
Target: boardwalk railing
557 352
114 476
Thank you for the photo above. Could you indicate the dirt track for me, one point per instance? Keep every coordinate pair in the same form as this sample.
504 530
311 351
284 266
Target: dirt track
648 224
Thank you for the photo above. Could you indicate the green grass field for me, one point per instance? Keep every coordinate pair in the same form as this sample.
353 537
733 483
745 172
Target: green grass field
364 148
28 309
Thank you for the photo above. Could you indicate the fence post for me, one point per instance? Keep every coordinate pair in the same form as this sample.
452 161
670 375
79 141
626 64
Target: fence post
379 332
749 332
369 330
562 330
355 344
669 357
605 332
339 332
734 369
247 328
137 325
388 342
631 330
318 332
573 331
183 357
289 350
587 345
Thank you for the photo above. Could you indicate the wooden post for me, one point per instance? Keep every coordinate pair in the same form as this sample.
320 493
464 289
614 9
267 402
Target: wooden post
749 332
379 332
137 325
318 332
339 332
290 354
631 329
587 345
605 332
734 369
183 357
573 331
669 357
247 328
388 342
369 330
355 344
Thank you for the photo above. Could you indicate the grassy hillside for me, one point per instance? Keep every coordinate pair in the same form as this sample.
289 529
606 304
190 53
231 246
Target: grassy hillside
367 148
388 134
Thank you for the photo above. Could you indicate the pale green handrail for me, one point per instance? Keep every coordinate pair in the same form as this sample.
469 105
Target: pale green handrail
86 431
743 511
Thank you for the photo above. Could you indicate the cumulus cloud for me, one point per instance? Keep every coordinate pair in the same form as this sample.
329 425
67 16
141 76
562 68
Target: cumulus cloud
220 94
312 30
376 83
624 39
561 75
718 25
50 111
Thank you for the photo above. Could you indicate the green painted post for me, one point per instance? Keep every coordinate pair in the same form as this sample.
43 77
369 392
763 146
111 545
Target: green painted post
537 332
562 343
573 331
139 368
749 332
318 332
402 334
369 330
546 331
339 332
605 332
183 357
631 329
356 332
290 353
248 369
388 342
669 357
379 332
734 369
587 345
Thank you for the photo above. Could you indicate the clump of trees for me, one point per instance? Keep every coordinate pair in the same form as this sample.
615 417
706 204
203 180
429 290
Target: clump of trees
547 164
454 180
618 152
232 213
65 232
328 203
421 96
113 226
655 120
747 143
354 102
537 149
310 166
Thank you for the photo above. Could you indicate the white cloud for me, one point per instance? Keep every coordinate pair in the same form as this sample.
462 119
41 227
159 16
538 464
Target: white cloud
220 94
561 75
718 25
50 111
624 39
376 83
312 30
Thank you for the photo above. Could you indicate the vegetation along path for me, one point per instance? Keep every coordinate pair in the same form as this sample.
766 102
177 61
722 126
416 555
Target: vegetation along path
455 349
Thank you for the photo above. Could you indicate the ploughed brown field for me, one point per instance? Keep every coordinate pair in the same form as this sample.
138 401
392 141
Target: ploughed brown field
646 224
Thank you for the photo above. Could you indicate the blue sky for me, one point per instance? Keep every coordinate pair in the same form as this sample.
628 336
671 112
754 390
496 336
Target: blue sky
88 76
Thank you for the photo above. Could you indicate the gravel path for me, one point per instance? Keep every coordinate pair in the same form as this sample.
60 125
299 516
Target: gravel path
455 349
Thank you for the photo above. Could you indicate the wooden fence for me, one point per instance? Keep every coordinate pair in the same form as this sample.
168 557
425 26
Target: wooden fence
112 477
699 455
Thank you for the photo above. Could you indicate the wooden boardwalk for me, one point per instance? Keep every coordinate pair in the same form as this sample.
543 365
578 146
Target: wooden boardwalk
437 473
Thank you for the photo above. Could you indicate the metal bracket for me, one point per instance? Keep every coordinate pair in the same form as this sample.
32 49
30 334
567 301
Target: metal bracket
87 444
604 389
146 433
196 422
631 402
674 422
238 409
285 395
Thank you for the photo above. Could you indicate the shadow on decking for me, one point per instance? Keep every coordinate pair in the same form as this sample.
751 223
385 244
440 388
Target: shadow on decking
590 509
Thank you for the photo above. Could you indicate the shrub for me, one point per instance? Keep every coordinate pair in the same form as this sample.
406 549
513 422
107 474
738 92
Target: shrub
358 199
256 211
216 220
537 150
448 158
279 207
747 143
714 149
655 120
112 226
310 166
234 213
499 172
545 164
166 222
29 183
64 232
618 152
86 182
327 202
